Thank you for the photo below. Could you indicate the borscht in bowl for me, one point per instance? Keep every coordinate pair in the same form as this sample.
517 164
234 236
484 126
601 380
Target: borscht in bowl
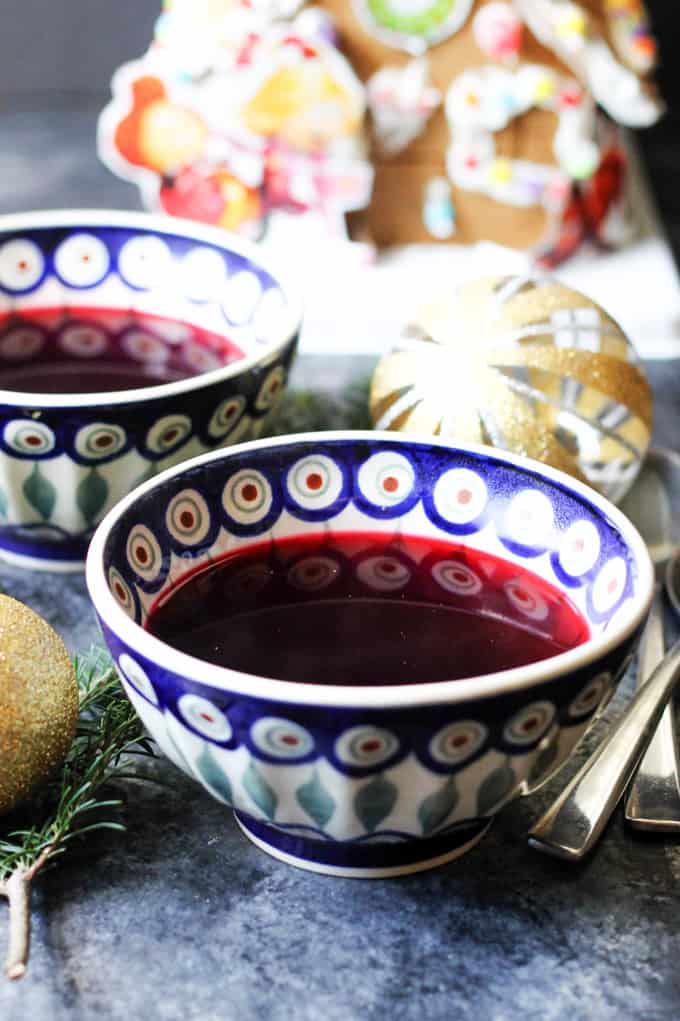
128 343
367 644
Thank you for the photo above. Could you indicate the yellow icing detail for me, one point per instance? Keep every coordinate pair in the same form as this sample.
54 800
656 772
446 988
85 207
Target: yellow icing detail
544 89
304 105
500 171
573 23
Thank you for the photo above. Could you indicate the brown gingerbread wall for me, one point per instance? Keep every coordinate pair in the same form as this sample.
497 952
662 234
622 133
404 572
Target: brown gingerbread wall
395 214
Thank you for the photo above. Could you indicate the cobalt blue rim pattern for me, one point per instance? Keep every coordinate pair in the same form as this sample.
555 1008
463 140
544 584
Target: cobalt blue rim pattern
397 856
114 260
446 738
330 784
153 428
463 495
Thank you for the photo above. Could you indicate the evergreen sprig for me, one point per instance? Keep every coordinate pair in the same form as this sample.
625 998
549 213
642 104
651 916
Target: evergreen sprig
74 802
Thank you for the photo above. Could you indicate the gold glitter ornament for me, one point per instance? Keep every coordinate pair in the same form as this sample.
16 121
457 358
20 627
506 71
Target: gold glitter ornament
523 364
38 701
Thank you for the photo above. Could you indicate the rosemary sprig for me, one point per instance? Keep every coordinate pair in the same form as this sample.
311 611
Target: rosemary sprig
318 410
71 804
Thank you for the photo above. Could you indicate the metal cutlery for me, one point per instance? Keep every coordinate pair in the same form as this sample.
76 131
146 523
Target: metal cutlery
653 799
573 824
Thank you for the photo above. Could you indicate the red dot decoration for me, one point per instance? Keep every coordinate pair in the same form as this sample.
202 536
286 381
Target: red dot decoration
372 744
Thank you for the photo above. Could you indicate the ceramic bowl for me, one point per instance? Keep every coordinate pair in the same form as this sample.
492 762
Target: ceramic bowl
165 299
376 780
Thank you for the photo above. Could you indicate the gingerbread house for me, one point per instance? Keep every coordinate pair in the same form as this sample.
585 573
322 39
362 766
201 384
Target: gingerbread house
409 120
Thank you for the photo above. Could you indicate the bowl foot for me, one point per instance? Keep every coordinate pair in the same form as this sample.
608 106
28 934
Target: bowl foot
35 563
359 860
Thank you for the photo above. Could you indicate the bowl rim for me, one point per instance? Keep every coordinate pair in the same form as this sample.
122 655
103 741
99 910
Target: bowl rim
386 697
291 318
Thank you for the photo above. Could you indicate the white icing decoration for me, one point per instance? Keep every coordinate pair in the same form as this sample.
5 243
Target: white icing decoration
498 31
631 35
220 70
401 100
485 100
566 28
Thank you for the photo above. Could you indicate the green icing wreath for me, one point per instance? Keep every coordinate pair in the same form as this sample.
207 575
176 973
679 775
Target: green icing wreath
422 24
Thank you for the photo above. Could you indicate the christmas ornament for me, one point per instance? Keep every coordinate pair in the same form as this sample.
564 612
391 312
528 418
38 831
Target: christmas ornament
527 365
38 701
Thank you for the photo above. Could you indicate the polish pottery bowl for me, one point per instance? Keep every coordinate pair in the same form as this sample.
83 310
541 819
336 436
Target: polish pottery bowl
371 780
128 343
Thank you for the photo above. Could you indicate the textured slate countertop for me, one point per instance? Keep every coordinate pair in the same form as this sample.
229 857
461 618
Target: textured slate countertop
182 919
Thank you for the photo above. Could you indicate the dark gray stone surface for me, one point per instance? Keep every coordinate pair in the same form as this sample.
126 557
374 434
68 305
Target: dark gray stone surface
182 919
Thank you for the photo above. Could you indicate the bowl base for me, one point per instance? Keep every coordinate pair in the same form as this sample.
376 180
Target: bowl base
33 563
353 860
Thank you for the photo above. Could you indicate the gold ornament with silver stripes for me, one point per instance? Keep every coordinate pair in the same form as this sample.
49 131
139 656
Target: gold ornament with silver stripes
523 364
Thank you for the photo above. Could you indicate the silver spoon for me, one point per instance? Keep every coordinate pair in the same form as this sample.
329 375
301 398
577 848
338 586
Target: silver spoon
573 824
575 821
672 580
653 800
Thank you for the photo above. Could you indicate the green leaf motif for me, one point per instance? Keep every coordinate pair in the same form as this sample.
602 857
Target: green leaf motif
494 788
40 493
91 495
316 801
213 775
375 801
259 790
177 752
436 808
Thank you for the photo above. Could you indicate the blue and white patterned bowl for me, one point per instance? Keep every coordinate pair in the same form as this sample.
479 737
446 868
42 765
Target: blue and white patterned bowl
66 459
375 780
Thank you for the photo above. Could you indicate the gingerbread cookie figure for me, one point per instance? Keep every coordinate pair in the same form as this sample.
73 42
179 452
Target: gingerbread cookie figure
239 110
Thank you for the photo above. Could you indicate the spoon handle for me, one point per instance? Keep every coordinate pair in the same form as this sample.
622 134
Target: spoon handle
574 823
653 799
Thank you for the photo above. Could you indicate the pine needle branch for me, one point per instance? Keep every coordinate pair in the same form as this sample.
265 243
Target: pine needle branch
108 733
